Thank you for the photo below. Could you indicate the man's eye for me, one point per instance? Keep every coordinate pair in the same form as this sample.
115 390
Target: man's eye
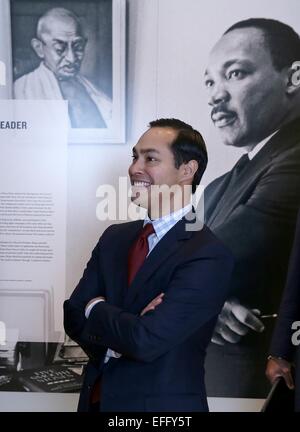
79 48
59 49
208 83
237 73
151 159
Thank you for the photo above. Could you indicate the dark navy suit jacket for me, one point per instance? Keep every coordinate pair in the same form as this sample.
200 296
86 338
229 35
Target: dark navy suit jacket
289 312
161 368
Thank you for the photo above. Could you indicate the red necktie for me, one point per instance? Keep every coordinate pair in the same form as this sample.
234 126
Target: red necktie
95 392
138 251
137 255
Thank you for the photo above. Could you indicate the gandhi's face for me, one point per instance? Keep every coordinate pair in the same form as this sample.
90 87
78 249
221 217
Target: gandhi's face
246 93
62 47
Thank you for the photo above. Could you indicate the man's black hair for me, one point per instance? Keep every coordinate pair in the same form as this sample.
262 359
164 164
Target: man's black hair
281 39
188 145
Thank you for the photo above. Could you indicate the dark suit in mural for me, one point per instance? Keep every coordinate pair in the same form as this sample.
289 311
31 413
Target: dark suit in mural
252 209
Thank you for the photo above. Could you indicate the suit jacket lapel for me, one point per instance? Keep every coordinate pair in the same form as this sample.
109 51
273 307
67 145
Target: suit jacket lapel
215 198
238 190
163 250
224 200
120 272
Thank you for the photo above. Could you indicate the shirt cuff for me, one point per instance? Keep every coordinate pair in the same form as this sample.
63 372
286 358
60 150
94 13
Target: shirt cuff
110 353
90 307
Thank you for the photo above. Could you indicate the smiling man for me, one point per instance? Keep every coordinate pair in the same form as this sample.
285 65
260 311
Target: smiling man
139 311
255 105
159 186
60 45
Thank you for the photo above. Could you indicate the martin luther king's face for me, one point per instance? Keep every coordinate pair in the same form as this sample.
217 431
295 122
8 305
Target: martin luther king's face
246 93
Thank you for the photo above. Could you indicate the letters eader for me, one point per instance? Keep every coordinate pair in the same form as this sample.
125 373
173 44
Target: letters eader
5 124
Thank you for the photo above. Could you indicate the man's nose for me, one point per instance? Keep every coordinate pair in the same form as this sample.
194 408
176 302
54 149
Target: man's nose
218 94
137 167
70 55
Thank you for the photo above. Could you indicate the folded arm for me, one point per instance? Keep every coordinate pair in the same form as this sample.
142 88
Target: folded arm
91 285
193 298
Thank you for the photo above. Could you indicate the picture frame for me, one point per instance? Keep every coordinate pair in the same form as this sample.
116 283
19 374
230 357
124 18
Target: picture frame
99 98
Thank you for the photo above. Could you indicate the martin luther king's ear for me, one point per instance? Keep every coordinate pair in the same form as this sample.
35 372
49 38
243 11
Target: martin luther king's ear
37 46
293 83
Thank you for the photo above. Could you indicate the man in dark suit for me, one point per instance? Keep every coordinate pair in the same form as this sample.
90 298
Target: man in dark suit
286 338
146 306
253 87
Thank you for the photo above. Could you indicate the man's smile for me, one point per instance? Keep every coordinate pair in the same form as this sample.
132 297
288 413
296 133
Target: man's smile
140 183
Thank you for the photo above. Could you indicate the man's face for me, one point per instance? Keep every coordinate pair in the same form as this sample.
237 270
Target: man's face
246 93
63 48
153 164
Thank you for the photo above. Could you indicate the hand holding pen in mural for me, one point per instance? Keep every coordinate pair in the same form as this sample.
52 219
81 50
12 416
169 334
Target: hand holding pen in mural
236 320
274 315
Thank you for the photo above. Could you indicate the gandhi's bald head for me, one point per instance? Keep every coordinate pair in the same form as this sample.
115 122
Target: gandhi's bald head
54 16
60 42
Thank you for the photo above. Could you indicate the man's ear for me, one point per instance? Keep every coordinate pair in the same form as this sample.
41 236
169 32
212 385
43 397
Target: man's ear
293 81
189 169
37 46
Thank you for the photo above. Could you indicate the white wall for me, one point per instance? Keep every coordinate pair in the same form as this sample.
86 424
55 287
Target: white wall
46 402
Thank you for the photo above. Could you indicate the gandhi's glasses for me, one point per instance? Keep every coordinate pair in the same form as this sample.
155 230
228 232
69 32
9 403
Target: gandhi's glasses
62 47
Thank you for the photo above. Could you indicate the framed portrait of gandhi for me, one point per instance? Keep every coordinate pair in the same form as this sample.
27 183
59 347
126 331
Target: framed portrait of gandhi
73 50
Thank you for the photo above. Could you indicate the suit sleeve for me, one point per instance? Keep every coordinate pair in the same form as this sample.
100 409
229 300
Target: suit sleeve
194 296
91 285
289 311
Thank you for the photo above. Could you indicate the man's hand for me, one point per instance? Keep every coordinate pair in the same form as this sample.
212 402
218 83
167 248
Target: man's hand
235 321
276 368
152 305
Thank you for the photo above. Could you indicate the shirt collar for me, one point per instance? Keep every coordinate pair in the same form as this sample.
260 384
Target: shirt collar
164 224
259 146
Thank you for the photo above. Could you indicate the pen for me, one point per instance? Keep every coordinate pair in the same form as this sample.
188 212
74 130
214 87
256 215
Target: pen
268 316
